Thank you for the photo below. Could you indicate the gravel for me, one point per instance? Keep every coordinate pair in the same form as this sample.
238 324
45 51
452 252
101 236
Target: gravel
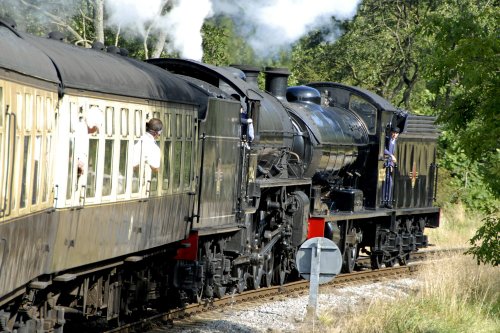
288 315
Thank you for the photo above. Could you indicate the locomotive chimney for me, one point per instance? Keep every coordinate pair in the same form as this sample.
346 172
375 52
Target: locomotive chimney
277 81
251 73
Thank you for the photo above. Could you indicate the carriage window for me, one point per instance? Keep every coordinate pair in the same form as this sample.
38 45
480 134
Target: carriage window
36 169
135 175
166 164
39 113
154 183
187 164
29 112
189 126
124 122
19 113
108 167
92 167
178 128
109 121
25 171
167 129
122 167
45 163
48 113
138 123
365 110
2 110
177 164
69 183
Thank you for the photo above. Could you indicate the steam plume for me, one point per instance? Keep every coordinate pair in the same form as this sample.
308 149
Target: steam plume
267 25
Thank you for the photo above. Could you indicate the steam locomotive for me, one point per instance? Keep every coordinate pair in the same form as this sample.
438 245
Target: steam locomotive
224 213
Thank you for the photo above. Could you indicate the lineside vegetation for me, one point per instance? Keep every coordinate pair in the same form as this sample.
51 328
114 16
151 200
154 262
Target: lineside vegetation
455 295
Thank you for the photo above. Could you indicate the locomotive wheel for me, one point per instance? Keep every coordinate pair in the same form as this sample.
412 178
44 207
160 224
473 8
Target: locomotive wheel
376 261
390 262
350 256
280 272
241 284
268 271
404 258
255 277
219 291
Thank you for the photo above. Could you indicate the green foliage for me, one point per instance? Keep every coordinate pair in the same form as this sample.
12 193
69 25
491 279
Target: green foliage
486 242
378 51
215 44
221 45
462 67
466 182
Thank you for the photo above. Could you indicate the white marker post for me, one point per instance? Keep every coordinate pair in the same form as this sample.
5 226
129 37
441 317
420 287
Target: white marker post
319 261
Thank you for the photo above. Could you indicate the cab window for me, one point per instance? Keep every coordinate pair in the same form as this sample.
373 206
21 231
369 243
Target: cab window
365 110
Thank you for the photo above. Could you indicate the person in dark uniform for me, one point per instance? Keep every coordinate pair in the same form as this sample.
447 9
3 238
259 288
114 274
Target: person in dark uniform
390 162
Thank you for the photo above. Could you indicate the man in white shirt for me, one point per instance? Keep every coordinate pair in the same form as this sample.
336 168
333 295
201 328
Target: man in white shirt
90 123
147 149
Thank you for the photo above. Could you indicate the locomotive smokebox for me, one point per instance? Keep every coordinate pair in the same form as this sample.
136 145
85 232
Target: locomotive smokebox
277 81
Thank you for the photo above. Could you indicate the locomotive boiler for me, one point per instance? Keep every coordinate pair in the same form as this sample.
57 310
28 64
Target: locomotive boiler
225 212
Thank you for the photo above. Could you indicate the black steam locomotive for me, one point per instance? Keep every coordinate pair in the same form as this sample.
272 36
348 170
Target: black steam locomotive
225 212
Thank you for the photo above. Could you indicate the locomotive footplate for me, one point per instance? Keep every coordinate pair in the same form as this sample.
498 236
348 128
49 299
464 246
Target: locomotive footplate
364 214
417 211
263 183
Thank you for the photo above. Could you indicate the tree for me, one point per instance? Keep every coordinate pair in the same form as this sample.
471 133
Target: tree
99 20
463 73
486 242
222 46
379 50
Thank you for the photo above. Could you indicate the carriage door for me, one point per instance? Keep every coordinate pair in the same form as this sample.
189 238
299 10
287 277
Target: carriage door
142 177
7 141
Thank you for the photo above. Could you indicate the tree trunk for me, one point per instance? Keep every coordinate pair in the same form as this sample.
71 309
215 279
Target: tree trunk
159 45
99 20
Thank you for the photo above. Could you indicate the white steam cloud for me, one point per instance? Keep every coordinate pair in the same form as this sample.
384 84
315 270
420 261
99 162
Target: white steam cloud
270 25
267 25
182 23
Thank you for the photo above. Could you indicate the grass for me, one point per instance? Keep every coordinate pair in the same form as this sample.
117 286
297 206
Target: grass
455 295
457 226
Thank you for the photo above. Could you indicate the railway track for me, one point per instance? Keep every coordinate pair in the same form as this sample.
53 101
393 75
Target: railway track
193 313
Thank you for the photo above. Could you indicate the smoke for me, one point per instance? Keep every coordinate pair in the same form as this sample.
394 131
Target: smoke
184 23
181 23
267 25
